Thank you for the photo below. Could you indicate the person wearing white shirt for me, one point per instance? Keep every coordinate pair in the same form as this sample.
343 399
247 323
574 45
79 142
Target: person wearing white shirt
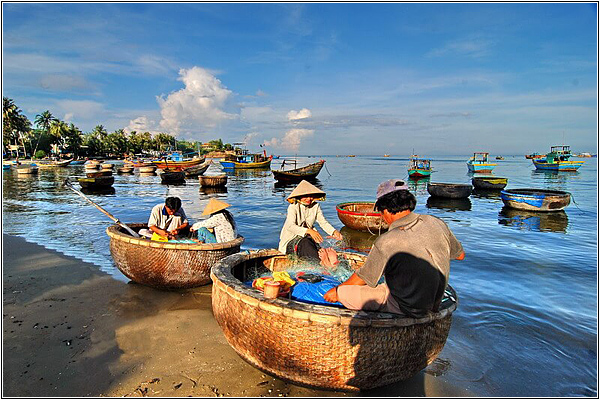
219 227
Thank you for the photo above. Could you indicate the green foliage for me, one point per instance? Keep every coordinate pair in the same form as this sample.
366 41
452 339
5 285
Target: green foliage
40 154
14 124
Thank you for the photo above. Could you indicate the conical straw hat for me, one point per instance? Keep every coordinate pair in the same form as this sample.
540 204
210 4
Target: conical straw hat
214 205
305 188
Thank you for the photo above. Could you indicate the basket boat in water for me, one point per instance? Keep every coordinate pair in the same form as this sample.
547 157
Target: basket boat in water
361 216
307 172
163 264
197 169
489 182
449 190
125 170
535 199
171 177
97 173
213 180
321 346
145 169
98 182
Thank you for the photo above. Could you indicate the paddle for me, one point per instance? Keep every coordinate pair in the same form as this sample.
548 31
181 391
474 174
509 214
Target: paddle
68 184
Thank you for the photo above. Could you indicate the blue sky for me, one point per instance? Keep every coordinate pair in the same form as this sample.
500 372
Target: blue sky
439 78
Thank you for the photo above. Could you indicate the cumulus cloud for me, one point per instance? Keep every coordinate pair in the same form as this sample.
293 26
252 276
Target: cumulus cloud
199 105
294 115
291 140
141 124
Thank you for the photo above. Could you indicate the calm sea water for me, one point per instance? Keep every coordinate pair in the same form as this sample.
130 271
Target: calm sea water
527 318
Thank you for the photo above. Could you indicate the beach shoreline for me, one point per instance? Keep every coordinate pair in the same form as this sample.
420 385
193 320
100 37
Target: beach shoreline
71 330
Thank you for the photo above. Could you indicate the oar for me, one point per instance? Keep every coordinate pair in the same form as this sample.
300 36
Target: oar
68 184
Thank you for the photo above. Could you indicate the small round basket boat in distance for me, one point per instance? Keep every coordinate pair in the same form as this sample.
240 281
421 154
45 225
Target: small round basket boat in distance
535 199
321 346
449 190
166 265
489 182
213 180
361 216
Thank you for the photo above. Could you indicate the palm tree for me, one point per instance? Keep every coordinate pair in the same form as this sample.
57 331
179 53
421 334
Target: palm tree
14 123
60 131
44 121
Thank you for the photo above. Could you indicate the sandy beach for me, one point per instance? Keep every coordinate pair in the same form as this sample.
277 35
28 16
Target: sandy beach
71 330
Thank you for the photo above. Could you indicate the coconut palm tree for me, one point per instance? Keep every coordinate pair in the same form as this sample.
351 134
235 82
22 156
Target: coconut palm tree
14 123
44 121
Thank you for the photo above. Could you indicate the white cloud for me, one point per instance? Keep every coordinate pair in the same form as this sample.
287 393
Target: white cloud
294 115
81 109
291 140
142 124
475 48
198 106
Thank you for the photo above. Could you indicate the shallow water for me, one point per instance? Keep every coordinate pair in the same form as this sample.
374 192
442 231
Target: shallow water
526 323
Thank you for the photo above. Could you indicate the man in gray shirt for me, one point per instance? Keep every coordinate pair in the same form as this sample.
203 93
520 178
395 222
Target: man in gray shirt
413 255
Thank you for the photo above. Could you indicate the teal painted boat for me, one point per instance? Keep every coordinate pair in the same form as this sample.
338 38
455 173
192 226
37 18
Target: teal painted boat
557 160
419 168
479 163
535 199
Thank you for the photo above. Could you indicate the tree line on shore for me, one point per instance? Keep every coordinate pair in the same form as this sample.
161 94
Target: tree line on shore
53 136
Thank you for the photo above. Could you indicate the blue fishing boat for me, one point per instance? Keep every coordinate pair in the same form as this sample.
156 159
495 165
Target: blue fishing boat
479 163
535 199
419 168
557 160
245 160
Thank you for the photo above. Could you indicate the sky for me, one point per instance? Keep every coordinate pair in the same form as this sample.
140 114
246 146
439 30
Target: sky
314 78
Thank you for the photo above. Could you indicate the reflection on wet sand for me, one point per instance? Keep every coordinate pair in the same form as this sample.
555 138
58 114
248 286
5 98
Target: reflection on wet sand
556 221
449 204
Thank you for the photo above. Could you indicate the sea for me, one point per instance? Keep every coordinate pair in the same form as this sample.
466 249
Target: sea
527 319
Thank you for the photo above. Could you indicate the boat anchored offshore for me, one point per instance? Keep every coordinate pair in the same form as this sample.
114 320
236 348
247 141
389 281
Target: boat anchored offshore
307 172
247 161
419 168
535 199
489 182
557 160
479 163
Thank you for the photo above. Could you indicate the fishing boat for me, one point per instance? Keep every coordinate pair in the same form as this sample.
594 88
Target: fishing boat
361 216
449 190
535 199
247 161
53 163
95 174
419 168
5 166
386 155
196 170
557 160
308 172
534 155
172 176
489 182
499 158
176 160
479 163
77 162
319 345
213 180
99 182
166 264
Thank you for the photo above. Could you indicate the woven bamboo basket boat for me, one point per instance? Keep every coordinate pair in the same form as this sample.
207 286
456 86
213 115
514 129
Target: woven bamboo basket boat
321 346
449 190
107 166
148 169
163 264
361 216
213 180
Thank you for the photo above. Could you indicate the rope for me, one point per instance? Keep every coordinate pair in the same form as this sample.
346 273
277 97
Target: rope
327 169
575 203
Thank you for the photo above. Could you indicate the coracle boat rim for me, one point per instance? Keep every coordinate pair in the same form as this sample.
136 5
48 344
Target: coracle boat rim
449 184
224 280
114 232
340 209
534 192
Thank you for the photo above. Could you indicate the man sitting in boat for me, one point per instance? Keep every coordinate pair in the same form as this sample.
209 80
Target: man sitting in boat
413 255
298 235
166 220
220 227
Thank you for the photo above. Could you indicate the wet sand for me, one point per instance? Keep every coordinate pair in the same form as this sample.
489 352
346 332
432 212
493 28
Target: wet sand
71 330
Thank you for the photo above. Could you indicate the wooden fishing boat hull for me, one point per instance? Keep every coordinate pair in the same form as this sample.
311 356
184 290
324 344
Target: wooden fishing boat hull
542 165
535 199
197 169
308 172
171 177
481 167
99 182
50 164
419 173
166 265
213 181
361 217
449 190
160 164
248 165
321 346
489 182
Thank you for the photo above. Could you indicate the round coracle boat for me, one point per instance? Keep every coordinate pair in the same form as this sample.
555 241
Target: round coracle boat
107 166
535 199
148 168
321 346
164 264
361 216
213 180
489 182
125 170
449 190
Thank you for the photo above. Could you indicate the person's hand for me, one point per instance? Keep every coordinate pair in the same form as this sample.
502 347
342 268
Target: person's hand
315 235
337 235
331 295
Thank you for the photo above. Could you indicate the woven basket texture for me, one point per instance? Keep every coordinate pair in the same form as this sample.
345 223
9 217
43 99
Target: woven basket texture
166 265
319 346
213 180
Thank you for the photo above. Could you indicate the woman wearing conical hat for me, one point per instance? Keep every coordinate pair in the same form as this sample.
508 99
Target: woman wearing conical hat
298 235
220 227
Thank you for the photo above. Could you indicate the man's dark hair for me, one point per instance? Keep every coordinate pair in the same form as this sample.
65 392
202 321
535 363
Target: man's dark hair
174 203
396 201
